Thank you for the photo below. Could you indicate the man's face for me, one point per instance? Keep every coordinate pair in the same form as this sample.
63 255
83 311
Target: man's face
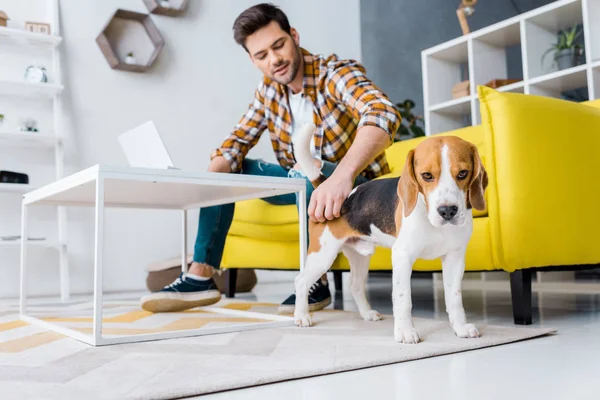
275 52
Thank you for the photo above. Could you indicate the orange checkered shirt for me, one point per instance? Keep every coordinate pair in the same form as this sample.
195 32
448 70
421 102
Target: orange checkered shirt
344 100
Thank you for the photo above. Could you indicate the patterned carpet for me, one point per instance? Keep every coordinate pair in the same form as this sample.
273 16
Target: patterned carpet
35 363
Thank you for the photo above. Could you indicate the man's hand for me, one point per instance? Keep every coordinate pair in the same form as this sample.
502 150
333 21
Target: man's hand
326 200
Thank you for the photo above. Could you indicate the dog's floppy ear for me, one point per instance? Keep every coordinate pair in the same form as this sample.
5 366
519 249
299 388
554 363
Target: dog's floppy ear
408 188
479 182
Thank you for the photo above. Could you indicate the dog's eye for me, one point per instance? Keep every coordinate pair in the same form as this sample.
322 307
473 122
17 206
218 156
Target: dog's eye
463 174
427 176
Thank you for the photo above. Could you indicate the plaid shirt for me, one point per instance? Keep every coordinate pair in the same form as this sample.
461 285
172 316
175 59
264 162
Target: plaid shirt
344 100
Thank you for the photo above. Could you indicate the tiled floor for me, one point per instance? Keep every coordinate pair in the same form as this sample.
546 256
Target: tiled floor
564 366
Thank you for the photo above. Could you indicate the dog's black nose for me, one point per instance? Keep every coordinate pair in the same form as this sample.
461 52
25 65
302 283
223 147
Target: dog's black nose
447 212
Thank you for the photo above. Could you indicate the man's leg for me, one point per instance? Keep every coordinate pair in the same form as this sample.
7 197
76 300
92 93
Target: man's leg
319 295
197 288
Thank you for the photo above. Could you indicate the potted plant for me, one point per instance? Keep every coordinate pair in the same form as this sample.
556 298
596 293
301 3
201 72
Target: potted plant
130 59
1 120
567 53
409 126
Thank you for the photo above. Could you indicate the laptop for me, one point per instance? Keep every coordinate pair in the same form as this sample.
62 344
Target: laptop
143 147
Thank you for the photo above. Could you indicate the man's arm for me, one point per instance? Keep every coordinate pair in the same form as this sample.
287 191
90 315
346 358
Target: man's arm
233 150
378 122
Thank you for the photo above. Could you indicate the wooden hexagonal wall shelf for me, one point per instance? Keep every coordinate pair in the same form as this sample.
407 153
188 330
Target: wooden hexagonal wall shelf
171 8
130 41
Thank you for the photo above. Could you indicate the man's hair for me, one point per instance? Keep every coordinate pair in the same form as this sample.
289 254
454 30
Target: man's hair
255 18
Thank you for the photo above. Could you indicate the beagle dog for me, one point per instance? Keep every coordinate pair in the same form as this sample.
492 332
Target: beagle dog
426 213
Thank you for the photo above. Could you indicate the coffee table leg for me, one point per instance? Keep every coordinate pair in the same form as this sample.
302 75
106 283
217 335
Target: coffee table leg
23 304
98 253
184 266
302 223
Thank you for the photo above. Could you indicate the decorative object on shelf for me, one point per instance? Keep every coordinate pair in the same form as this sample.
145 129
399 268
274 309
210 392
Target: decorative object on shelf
496 83
35 74
1 120
461 89
29 125
171 8
14 177
130 59
3 18
567 53
408 127
130 32
465 9
38 27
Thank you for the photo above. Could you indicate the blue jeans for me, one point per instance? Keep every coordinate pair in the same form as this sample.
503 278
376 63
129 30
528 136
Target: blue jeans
214 222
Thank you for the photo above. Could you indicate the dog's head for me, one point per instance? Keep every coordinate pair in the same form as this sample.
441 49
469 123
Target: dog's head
447 172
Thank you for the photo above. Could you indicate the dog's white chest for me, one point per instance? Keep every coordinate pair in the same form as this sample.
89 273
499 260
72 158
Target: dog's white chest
425 241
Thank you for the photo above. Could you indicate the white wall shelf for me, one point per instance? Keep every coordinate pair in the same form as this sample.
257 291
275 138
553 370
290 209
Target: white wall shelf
16 244
15 188
25 139
42 102
21 37
30 90
482 56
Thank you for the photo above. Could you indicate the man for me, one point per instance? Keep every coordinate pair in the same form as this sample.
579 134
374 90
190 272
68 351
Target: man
355 123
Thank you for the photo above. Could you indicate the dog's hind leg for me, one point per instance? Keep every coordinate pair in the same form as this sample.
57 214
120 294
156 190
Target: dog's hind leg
359 271
319 260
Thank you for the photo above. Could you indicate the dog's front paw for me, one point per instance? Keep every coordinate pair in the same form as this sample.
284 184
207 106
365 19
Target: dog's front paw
407 335
466 331
371 315
303 320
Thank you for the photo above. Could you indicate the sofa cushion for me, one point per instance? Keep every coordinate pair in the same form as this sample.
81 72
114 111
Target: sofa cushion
259 212
544 161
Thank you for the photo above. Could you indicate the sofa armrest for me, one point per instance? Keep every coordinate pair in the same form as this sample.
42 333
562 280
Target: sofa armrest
544 157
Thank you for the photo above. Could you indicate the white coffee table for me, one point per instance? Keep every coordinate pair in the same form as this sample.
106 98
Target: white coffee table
125 187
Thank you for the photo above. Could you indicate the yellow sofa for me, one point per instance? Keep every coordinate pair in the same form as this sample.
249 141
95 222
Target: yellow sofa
531 146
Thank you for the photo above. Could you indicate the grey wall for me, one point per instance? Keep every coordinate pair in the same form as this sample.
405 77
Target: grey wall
393 33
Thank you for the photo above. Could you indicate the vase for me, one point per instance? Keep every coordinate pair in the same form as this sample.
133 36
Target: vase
130 60
566 59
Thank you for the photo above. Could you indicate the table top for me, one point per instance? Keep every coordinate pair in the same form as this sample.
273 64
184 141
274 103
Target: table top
159 188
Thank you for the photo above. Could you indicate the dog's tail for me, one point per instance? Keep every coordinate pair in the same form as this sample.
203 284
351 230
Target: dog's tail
302 153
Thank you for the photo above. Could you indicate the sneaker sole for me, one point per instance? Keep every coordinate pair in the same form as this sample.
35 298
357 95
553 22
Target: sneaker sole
289 309
172 302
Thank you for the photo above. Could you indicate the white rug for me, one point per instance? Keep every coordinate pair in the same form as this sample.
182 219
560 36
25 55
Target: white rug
36 364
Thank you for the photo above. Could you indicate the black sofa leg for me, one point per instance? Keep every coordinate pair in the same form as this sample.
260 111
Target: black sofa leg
231 281
520 289
337 279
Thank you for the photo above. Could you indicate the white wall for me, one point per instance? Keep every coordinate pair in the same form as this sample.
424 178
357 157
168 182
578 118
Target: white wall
199 87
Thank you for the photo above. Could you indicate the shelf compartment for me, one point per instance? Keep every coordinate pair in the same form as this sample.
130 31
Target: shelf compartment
554 84
447 66
25 139
22 37
541 32
456 107
129 31
30 90
593 16
171 8
497 54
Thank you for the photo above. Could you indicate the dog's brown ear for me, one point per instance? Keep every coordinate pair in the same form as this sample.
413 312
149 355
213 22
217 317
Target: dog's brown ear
408 188
479 183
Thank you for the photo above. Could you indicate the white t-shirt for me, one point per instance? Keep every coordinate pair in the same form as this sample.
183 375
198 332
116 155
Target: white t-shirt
302 112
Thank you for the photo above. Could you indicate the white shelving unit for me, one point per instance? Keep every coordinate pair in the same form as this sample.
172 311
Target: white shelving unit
481 56
15 42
